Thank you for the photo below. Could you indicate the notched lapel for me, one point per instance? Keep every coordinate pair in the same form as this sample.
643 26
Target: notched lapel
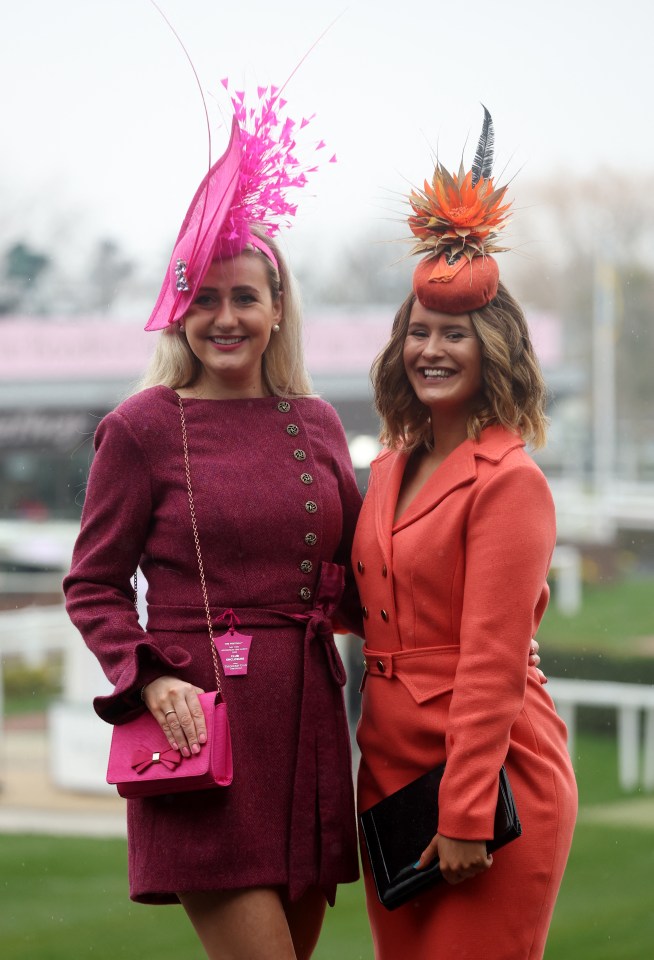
387 471
457 470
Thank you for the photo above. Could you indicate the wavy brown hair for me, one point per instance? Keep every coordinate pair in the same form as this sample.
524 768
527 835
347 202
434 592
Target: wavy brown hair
513 395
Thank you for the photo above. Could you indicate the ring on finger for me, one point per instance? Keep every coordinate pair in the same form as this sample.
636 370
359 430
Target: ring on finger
169 711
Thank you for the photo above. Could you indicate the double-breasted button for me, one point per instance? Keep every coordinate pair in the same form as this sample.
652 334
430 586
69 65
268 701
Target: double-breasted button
306 478
381 666
360 566
305 593
311 506
384 616
364 611
311 539
306 566
293 429
384 571
299 455
283 406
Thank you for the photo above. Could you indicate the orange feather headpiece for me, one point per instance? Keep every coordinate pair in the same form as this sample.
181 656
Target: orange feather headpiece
456 220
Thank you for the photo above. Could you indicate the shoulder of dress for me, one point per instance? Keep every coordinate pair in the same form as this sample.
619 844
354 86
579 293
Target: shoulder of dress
319 411
314 404
496 442
385 458
516 469
151 402
143 413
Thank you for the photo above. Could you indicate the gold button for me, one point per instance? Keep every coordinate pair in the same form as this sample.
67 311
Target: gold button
283 406
384 616
306 566
364 611
305 593
384 571
360 566
311 539
381 666
299 455
311 506
306 478
293 429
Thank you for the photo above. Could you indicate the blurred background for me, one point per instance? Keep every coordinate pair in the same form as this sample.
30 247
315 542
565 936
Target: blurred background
104 143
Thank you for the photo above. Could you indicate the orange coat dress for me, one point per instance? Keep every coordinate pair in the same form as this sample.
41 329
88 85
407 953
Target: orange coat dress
452 593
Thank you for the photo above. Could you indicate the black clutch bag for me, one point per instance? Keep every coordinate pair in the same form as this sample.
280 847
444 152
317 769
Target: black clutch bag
398 828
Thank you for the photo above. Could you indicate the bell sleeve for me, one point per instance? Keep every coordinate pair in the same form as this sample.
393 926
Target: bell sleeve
99 594
509 543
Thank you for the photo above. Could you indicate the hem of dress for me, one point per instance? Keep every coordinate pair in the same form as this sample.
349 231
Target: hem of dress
169 898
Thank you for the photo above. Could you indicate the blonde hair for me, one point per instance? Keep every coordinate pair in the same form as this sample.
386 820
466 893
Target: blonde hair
174 364
513 392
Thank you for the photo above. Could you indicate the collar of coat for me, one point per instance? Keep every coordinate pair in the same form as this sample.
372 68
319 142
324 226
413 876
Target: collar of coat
458 469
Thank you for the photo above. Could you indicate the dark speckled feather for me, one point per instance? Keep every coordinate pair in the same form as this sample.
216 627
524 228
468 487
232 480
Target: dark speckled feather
482 166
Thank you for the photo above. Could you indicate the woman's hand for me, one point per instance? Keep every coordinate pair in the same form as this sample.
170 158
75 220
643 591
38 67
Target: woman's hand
458 859
534 659
175 706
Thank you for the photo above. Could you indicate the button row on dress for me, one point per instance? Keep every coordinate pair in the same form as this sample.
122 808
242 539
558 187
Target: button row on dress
361 567
292 429
383 614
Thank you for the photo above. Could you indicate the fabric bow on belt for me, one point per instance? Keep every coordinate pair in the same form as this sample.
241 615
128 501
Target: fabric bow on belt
143 758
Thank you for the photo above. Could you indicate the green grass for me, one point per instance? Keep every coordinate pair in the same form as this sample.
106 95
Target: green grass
616 618
596 768
64 899
605 908
27 703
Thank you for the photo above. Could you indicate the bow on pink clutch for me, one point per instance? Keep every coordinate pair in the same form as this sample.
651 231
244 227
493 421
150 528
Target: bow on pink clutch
140 771
142 758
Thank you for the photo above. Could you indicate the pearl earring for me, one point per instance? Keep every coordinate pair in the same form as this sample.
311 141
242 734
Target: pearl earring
275 328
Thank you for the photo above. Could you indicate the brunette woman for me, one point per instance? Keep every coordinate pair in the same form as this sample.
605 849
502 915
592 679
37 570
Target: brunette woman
451 557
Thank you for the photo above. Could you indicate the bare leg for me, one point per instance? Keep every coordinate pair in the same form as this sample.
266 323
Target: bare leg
305 918
240 924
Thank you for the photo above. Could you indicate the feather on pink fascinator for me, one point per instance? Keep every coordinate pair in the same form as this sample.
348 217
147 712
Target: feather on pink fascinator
248 185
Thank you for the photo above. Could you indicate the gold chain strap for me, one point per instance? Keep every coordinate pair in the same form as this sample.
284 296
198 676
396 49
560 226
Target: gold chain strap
196 537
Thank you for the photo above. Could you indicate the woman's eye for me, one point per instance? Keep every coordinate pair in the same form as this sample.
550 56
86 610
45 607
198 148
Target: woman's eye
245 298
204 300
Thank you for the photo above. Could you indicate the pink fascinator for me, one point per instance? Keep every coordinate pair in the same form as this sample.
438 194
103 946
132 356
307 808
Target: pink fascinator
247 186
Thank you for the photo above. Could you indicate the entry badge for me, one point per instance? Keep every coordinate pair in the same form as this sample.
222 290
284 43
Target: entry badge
234 650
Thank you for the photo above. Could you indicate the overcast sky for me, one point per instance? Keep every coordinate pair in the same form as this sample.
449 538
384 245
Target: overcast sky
103 131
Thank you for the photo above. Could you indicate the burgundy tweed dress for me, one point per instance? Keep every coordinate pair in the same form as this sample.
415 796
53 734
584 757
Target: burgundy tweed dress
276 503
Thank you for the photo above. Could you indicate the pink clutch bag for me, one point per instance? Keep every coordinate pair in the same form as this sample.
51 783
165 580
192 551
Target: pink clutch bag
142 762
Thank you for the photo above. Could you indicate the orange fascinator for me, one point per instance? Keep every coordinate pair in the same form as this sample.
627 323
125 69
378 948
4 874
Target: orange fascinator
456 219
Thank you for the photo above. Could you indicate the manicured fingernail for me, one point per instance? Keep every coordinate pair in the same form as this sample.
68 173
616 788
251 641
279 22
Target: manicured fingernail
416 865
195 749
186 752
202 738
174 746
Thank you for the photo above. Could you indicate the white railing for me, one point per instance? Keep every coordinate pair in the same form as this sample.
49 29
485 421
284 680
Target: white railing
630 700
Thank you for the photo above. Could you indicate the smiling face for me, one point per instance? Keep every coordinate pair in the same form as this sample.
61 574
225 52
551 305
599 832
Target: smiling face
229 325
442 359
